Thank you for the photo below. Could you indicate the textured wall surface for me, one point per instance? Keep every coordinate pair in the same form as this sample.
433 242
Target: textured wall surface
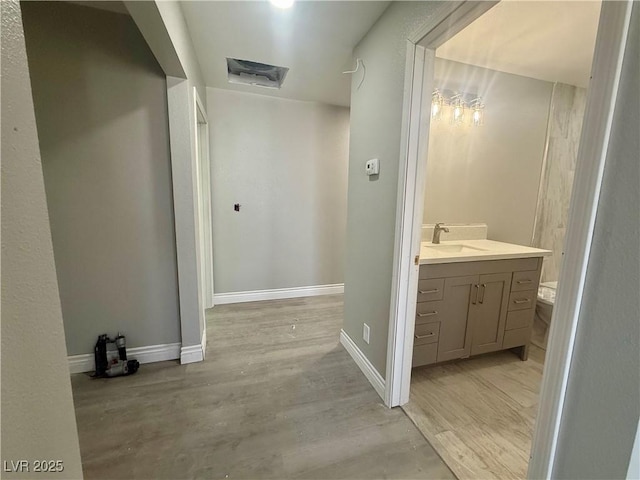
565 125
488 174
285 162
101 107
38 420
603 392
376 124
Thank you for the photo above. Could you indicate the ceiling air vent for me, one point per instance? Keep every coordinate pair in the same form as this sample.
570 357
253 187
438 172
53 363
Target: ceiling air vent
246 72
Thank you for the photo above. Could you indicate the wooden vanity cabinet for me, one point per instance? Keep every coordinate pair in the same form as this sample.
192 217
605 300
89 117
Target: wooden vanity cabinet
471 308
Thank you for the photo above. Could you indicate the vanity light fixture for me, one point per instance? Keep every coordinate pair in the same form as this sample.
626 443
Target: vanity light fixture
456 104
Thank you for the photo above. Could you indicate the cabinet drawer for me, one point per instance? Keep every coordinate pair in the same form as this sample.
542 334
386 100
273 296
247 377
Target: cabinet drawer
425 354
516 338
431 289
426 333
429 312
522 300
524 281
520 319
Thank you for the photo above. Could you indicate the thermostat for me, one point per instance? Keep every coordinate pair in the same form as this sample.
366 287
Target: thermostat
372 167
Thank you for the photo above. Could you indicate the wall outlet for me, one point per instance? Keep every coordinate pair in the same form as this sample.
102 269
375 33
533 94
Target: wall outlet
366 331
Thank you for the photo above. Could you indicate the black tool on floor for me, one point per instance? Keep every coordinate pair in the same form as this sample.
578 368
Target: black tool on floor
110 364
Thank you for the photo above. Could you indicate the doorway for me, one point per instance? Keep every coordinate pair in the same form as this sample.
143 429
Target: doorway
203 172
614 20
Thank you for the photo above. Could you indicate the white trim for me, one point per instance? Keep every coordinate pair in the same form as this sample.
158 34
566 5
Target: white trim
277 294
633 470
203 342
409 218
195 353
594 140
458 18
203 197
148 354
363 362
199 106
191 354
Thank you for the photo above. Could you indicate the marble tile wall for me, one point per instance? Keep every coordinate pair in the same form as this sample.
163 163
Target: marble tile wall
565 124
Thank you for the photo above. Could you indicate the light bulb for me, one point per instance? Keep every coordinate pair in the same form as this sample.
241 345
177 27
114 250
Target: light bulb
458 115
436 105
477 118
457 112
435 109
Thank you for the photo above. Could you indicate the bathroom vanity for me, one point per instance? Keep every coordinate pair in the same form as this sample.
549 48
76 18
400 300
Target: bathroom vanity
475 297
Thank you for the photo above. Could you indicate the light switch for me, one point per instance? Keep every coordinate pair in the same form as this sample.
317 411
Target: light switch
372 167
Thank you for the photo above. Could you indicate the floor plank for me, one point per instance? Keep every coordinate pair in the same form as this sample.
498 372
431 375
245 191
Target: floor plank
479 413
276 397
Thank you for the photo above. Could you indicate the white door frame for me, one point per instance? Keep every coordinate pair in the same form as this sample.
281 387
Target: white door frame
601 98
203 193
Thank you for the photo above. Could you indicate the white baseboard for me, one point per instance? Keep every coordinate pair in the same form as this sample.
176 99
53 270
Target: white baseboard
363 362
277 294
148 354
195 353
191 354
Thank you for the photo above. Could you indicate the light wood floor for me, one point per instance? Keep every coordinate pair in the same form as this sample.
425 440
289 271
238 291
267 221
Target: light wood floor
277 397
479 413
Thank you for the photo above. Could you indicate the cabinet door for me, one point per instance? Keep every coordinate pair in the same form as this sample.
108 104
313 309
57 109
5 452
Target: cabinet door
455 338
488 316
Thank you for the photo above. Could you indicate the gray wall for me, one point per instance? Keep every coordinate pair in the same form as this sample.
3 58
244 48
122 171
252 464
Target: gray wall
285 162
38 420
163 26
376 122
603 393
488 174
565 125
101 108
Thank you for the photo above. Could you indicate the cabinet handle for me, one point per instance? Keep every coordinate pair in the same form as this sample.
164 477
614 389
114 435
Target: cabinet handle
521 301
418 337
484 286
435 290
475 298
521 282
428 314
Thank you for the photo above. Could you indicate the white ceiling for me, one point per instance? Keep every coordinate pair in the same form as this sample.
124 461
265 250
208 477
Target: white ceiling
314 39
546 40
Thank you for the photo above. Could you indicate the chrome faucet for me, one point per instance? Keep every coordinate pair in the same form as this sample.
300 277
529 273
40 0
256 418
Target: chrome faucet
437 230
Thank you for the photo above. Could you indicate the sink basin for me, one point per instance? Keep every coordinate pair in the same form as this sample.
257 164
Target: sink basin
454 248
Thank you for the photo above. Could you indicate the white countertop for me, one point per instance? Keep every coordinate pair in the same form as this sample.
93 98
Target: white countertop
475 250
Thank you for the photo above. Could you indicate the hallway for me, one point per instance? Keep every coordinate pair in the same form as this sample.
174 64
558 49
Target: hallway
276 397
